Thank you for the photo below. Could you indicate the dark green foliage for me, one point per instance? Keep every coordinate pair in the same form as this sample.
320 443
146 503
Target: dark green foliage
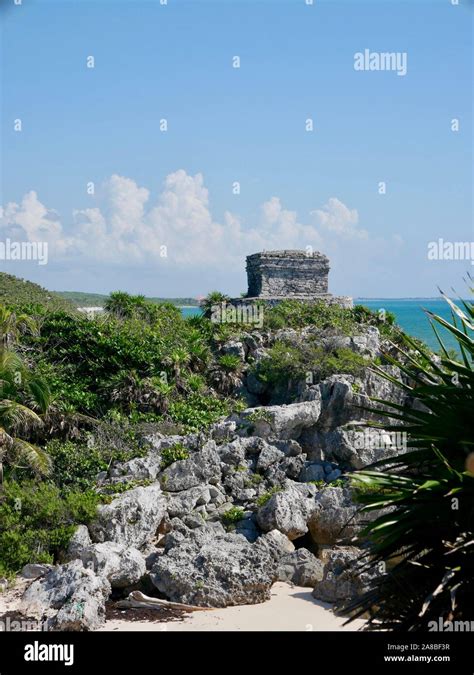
28 296
196 411
288 363
230 363
37 521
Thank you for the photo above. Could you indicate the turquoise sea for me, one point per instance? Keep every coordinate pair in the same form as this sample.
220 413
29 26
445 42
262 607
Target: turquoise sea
409 314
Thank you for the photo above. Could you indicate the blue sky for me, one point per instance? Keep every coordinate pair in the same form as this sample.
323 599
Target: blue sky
225 124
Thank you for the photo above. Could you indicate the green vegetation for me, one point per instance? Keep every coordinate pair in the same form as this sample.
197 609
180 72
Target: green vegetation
77 394
173 454
322 484
309 361
26 294
263 499
233 515
425 540
37 520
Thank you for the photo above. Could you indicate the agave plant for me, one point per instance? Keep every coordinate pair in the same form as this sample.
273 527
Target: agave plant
421 540
24 400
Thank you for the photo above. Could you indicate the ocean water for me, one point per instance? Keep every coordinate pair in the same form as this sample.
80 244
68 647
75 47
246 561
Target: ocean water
409 313
412 318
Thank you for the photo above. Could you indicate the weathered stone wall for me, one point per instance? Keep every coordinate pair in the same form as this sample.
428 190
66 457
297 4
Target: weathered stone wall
287 274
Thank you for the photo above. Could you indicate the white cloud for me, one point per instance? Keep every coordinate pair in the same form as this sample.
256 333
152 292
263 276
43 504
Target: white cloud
30 220
128 227
335 217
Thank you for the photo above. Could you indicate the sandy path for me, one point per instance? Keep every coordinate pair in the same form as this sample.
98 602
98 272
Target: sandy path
291 608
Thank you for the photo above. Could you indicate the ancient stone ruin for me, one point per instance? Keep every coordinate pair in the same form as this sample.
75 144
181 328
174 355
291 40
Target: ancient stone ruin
298 275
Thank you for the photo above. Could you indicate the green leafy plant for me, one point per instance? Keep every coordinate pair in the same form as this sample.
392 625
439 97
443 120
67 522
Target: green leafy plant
37 522
266 496
233 515
174 453
424 535
24 399
231 363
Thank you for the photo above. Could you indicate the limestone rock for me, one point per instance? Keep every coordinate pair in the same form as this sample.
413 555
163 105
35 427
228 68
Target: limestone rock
78 542
201 467
35 570
130 519
70 597
284 421
342 578
334 517
301 568
120 565
215 571
287 511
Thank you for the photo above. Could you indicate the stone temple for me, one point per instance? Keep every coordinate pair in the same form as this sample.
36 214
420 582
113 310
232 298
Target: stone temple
295 275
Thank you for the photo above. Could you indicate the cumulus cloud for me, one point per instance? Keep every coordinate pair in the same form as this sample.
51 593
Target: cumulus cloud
335 217
129 226
30 220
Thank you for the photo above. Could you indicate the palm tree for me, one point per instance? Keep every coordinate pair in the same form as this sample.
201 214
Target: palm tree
128 390
12 325
424 536
178 358
215 298
199 351
24 399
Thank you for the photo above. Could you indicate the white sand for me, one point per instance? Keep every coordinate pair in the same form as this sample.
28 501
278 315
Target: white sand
291 608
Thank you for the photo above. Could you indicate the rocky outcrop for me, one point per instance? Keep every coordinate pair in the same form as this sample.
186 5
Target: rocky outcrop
69 597
201 467
130 519
342 577
261 496
78 542
288 511
215 571
282 421
301 568
334 516
122 566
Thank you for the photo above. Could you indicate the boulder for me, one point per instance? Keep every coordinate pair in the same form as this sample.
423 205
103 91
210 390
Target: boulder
301 567
287 511
78 542
312 471
234 348
334 516
120 565
357 447
276 543
201 467
268 456
179 504
70 598
284 421
35 570
130 519
342 578
212 570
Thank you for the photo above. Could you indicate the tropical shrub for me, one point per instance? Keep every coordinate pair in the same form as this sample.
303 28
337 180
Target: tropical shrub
37 522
